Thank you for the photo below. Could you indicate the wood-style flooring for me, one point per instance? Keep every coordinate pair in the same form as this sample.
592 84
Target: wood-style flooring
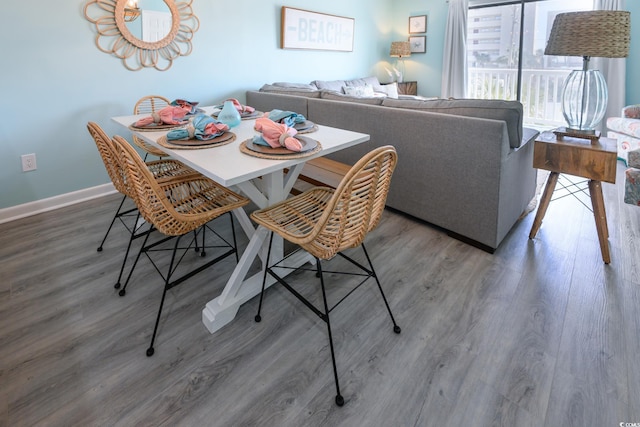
541 333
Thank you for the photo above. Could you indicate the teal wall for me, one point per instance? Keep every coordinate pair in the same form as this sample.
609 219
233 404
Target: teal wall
53 79
425 68
633 61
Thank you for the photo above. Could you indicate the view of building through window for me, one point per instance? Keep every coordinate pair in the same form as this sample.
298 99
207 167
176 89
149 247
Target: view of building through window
495 64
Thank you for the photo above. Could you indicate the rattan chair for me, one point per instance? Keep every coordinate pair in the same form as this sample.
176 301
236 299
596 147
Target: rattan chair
325 222
161 169
175 207
148 105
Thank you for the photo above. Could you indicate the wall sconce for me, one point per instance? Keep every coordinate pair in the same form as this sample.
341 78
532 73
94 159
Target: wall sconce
131 11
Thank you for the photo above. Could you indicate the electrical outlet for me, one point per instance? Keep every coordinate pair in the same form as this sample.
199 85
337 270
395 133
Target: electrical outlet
29 162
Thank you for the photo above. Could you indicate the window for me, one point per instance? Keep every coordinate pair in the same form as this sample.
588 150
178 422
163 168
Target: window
505 55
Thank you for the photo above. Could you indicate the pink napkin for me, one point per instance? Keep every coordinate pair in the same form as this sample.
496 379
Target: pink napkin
278 135
241 108
169 115
202 127
189 106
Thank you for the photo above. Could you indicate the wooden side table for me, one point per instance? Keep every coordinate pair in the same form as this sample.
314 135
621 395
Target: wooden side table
580 157
408 88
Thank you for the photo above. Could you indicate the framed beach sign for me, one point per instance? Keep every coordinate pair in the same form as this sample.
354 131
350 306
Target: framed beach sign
302 29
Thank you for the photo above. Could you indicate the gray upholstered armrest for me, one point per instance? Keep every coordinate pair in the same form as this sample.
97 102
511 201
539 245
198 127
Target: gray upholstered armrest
528 135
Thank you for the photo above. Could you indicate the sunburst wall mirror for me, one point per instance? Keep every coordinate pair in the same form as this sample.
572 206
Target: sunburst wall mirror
143 33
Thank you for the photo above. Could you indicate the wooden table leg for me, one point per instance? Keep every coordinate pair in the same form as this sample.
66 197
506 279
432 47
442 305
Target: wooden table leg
599 214
544 203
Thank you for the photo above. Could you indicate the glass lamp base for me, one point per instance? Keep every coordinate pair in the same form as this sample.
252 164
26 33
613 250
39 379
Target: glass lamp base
400 70
584 100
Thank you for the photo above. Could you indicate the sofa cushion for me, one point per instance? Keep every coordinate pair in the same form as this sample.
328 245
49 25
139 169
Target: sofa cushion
334 85
634 159
267 101
629 127
290 91
627 133
337 96
625 143
508 111
632 186
308 86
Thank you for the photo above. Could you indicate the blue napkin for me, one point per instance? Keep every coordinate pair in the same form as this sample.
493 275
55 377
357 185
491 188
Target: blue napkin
259 140
288 118
202 127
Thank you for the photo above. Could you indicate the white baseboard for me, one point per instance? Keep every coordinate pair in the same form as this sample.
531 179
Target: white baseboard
27 209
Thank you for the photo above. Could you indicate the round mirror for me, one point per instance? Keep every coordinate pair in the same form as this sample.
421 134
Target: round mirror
143 33
152 16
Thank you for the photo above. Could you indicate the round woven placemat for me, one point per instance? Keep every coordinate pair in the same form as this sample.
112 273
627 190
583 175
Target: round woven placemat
223 139
156 127
293 155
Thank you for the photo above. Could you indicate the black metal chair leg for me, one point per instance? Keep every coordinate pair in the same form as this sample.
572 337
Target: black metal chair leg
396 328
113 220
339 398
202 252
167 282
264 277
123 291
325 315
132 236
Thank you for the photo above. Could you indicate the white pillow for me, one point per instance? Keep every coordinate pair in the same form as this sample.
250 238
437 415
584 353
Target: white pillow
365 91
391 90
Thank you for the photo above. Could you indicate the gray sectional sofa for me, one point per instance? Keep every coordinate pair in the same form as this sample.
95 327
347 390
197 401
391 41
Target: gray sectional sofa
463 165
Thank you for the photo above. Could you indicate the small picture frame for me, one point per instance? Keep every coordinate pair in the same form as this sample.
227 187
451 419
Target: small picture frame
417 24
418 44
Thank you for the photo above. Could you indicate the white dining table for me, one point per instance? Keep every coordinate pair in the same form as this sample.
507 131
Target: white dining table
261 180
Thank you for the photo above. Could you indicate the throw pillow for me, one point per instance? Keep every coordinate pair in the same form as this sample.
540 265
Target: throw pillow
391 90
371 81
362 91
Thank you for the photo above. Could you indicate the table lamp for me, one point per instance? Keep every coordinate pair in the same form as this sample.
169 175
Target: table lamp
400 50
599 33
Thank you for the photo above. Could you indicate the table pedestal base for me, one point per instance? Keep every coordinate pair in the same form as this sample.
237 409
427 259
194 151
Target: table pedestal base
221 310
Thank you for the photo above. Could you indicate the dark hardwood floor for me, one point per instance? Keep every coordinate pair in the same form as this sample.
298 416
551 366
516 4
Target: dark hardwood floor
541 333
